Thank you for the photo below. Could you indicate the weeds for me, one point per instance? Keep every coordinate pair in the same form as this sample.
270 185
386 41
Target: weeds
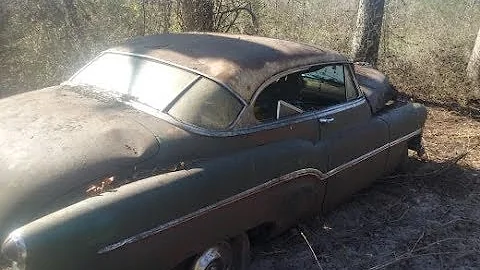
425 45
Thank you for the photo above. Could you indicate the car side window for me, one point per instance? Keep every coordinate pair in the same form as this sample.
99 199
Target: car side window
324 87
351 89
314 89
208 105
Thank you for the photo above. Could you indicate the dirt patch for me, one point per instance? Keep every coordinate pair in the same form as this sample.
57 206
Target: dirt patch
426 219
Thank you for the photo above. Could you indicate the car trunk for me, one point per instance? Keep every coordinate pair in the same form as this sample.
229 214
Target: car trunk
56 141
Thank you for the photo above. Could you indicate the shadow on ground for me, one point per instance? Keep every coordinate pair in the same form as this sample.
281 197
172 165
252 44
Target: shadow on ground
471 109
426 219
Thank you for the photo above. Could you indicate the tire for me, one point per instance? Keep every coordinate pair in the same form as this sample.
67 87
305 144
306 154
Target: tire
232 254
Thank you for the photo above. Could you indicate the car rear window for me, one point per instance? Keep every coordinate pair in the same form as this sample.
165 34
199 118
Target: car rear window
184 95
152 83
207 104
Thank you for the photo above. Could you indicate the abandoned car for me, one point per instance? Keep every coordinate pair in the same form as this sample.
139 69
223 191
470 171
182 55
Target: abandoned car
170 151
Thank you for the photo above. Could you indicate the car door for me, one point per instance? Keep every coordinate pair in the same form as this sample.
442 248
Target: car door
291 137
346 126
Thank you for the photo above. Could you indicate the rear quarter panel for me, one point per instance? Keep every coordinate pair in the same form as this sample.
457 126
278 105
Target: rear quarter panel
164 219
403 119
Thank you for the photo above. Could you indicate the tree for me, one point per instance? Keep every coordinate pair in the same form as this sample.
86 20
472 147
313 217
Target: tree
366 40
72 18
3 23
473 69
196 15
217 16
235 15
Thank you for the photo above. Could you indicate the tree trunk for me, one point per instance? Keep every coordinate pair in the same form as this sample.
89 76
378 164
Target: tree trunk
197 15
3 18
72 18
167 14
366 40
473 69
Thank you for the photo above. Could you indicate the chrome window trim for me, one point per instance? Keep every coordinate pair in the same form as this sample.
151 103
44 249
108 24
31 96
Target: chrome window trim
186 126
163 115
170 64
353 78
307 116
243 131
255 190
320 113
355 82
230 131
289 71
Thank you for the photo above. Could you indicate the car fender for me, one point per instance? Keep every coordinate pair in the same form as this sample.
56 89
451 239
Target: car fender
408 118
163 219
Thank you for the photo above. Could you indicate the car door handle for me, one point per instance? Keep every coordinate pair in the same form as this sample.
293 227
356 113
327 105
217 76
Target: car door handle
326 120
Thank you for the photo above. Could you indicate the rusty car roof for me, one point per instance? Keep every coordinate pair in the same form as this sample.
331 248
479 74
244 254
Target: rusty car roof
240 62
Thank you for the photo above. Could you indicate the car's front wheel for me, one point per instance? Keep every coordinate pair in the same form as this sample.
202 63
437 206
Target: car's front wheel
233 254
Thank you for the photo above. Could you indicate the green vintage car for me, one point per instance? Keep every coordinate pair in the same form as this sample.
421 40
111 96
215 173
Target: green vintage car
171 151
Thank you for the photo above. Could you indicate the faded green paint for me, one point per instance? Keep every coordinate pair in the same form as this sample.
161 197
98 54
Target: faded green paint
185 190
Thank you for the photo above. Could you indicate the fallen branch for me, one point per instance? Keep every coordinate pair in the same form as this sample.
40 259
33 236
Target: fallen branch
310 247
408 256
418 240
411 253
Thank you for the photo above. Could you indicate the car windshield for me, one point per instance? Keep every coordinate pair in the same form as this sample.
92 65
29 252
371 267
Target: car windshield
186 96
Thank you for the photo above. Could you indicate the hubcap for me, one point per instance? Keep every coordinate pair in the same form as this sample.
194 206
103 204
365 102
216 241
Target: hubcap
218 257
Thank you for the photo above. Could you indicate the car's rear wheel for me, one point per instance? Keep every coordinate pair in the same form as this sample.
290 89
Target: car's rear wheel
233 254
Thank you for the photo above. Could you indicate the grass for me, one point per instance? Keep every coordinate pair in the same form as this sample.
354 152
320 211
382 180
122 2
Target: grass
425 45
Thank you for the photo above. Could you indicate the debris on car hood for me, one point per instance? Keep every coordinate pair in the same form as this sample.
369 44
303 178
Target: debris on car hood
55 141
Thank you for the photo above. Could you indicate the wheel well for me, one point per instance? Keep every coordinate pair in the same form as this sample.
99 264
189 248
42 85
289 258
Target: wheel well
262 232
415 143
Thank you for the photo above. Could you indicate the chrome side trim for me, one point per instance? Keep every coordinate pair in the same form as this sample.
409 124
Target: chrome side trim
372 153
255 190
267 126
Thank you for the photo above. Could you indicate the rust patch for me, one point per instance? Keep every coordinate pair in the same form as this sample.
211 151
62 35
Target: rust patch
104 185
128 147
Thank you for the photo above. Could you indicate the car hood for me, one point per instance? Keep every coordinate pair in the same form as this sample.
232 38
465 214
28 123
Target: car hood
54 141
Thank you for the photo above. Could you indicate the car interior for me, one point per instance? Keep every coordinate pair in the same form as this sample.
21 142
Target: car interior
310 90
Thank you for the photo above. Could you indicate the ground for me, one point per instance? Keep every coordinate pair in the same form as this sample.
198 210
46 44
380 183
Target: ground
428 218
